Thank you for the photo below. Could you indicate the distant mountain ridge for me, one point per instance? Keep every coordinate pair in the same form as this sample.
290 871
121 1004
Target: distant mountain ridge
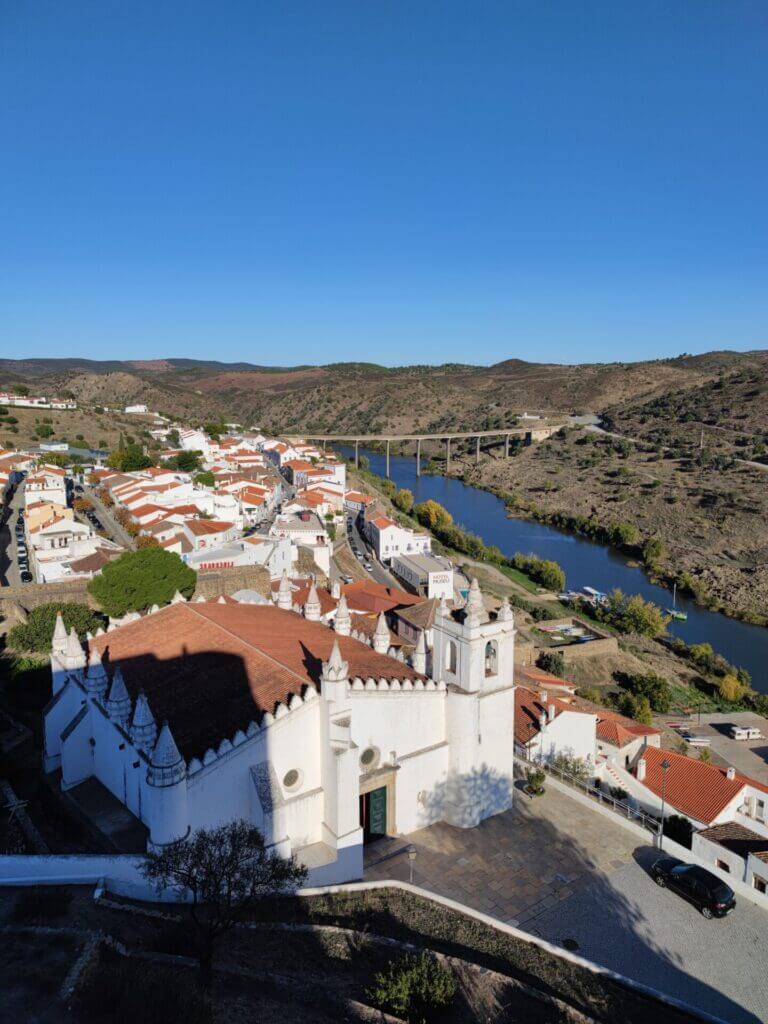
368 397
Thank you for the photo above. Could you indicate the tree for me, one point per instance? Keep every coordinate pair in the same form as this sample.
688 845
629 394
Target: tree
432 515
634 615
206 479
129 458
643 711
535 778
82 504
225 872
553 662
43 430
624 534
654 687
36 634
20 389
184 462
404 500
416 988
730 688
653 550
144 540
139 579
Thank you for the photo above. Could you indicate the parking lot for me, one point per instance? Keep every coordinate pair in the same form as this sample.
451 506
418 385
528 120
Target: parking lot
748 756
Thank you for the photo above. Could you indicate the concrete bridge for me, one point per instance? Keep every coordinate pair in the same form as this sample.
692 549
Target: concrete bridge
529 435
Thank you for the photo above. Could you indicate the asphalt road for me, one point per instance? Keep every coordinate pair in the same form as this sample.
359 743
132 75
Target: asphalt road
9 568
380 574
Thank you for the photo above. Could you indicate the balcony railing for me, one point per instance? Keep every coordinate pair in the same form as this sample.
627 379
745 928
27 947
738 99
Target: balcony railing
620 807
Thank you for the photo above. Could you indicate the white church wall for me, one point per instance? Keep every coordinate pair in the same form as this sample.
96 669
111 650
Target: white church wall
421 781
404 721
77 753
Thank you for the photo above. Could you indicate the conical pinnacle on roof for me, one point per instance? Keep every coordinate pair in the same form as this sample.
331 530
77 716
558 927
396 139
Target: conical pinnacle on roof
95 666
74 648
335 667
59 633
421 643
118 691
382 629
142 713
475 609
505 611
166 753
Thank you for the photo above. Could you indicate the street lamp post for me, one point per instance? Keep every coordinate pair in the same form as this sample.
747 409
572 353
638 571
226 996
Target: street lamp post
665 766
411 859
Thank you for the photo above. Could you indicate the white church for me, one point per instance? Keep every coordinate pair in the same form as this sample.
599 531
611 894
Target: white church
202 712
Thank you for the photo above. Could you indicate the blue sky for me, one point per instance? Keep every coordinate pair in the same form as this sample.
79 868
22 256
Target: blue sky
290 182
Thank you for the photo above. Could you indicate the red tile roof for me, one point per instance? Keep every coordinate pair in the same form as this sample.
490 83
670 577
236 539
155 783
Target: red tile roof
203 527
209 669
699 790
369 596
738 839
528 710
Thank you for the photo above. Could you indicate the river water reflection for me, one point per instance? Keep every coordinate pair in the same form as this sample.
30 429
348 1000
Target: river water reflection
585 563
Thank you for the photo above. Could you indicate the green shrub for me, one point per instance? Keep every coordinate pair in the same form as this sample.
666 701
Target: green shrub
416 988
138 579
652 686
535 778
36 634
679 829
552 662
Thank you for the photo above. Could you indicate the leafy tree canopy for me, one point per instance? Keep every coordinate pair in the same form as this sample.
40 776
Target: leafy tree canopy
404 500
139 579
206 479
129 458
432 515
227 870
36 633
185 462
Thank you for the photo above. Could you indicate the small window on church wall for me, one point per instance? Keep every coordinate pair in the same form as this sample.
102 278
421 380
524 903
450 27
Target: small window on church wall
292 779
451 655
491 658
369 758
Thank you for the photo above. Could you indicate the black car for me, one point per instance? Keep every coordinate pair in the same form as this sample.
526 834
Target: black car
704 890
26 576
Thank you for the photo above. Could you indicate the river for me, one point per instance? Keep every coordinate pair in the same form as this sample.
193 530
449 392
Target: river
585 563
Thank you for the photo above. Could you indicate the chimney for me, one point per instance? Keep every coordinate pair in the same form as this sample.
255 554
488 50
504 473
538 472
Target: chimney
542 721
335 590
543 696
731 774
641 769
551 712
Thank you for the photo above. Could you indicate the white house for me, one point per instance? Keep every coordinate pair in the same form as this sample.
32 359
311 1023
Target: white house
205 712
425 574
389 539
46 483
136 409
546 726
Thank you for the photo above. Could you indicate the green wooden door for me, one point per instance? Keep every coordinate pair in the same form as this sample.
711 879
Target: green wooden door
377 809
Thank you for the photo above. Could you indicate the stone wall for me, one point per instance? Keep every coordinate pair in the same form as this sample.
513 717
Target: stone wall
575 652
210 584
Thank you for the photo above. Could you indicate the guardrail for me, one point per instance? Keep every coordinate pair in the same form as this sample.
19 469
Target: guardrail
595 793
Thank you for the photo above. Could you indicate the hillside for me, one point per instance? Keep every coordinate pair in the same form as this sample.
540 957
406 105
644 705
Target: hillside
366 397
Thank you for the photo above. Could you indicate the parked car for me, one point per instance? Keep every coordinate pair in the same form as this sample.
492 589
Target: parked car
696 741
700 887
26 576
368 566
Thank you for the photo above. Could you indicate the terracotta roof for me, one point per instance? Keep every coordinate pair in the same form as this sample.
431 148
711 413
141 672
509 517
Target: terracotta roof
369 596
358 497
210 669
298 465
422 616
300 592
738 839
538 677
383 522
203 527
92 563
699 790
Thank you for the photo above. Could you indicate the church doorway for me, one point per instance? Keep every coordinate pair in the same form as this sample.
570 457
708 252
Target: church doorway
373 814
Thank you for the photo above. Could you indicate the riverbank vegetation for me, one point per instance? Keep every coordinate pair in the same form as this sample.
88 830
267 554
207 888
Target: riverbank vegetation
689 519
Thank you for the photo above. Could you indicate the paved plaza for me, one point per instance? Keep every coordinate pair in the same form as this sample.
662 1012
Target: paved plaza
515 865
558 869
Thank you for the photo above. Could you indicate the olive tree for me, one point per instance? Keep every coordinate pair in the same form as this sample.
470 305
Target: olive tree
223 873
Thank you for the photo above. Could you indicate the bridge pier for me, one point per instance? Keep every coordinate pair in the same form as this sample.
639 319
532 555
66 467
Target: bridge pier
447 454
357 454
418 457
387 460
506 447
477 451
